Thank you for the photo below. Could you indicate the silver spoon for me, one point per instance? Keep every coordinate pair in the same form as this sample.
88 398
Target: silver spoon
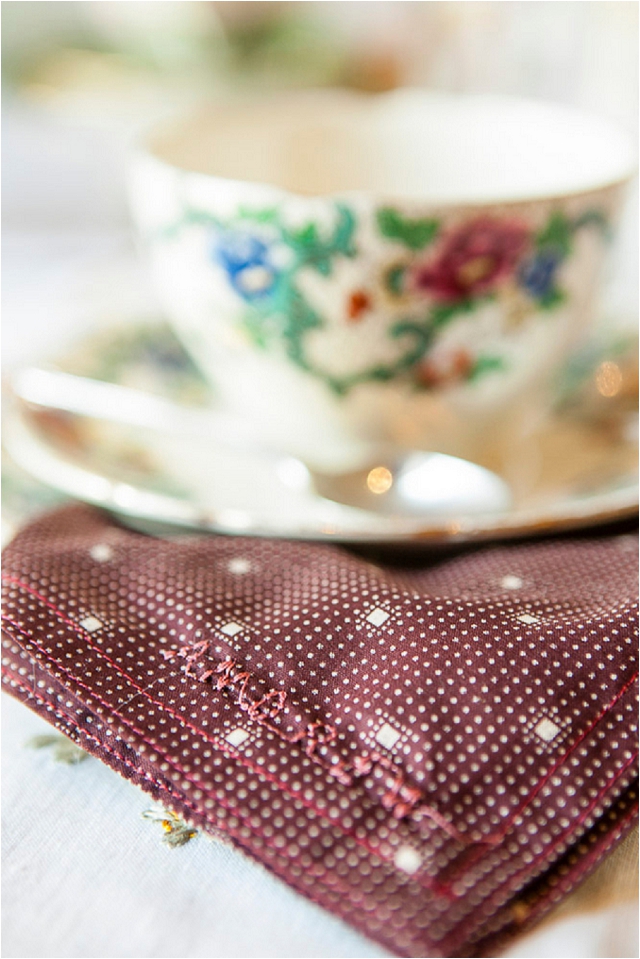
410 484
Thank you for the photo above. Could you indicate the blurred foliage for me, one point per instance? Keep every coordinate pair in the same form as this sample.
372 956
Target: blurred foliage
77 47
289 48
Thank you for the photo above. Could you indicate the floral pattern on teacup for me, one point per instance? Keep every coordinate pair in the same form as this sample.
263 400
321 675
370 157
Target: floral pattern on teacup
472 259
427 273
246 260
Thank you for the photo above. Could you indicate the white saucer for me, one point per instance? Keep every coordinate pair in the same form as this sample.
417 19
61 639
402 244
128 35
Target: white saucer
579 469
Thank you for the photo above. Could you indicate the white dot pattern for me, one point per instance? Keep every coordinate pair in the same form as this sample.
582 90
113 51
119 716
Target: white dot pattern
408 859
527 618
377 617
387 736
434 754
101 552
511 582
237 736
547 730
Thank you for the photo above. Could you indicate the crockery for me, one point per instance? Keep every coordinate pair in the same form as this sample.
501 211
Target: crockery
357 275
578 468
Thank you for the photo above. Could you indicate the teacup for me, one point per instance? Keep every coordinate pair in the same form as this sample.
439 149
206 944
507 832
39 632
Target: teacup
359 274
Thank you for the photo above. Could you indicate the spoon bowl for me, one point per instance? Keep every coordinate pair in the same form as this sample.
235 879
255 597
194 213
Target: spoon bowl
418 484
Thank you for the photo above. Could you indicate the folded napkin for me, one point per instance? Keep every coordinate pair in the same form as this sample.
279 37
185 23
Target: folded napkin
437 754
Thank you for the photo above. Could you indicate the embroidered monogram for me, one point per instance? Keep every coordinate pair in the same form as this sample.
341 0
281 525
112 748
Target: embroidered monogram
320 740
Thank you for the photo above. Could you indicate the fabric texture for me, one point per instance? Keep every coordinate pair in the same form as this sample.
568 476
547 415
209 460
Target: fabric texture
436 754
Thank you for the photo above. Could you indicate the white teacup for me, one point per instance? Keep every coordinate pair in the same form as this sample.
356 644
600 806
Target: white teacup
357 273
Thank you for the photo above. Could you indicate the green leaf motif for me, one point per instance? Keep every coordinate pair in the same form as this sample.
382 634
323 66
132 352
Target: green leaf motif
255 328
557 235
414 234
301 316
394 279
199 218
306 238
267 215
485 364
422 334
343 236
552 299
311 250
442 313
595 218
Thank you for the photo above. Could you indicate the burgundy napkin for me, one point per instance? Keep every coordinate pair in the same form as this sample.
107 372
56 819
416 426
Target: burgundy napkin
435 754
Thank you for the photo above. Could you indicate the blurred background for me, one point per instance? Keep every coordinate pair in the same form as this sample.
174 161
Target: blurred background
82 80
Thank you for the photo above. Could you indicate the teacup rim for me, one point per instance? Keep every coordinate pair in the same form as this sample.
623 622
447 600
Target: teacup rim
147 148
269 192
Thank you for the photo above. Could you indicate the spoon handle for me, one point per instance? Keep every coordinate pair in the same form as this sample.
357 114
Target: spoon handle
415 484
54 389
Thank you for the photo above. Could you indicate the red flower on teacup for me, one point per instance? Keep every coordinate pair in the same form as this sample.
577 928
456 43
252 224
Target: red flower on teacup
472 259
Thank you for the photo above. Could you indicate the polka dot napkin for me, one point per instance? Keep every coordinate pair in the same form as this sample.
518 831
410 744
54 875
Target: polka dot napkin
435 754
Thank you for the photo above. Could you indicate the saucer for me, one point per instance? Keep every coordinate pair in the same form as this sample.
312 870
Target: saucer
580 468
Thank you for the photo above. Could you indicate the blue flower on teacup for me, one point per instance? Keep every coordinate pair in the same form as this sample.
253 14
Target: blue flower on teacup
247 261
538 274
